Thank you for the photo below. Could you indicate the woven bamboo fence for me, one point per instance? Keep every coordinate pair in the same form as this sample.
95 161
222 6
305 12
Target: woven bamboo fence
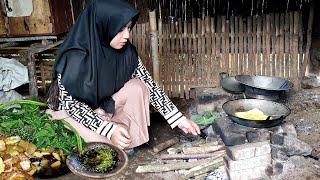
194 53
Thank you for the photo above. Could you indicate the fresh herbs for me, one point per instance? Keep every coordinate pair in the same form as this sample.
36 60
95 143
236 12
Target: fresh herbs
23 118
205 119
100 159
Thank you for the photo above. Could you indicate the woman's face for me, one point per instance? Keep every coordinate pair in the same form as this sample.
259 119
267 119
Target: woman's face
122 37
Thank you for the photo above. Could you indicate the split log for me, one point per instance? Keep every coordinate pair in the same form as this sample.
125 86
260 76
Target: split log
204 168
165 145
172 166
202 149
191 156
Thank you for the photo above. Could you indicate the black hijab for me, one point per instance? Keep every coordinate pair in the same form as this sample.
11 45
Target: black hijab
92 71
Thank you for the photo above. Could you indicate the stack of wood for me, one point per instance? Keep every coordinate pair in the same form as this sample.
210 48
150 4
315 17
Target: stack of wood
197 160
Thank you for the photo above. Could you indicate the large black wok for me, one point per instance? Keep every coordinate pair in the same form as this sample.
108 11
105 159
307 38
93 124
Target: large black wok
264 87
276 112
230 84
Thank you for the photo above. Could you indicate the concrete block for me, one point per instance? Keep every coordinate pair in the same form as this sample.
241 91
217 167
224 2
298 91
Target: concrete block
253 173
243 164
248 150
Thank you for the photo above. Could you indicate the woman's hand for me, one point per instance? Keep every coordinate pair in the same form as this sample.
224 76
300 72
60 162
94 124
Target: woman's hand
188 126
120 137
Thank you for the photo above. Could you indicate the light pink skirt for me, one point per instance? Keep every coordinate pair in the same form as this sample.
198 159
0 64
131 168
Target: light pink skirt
131 111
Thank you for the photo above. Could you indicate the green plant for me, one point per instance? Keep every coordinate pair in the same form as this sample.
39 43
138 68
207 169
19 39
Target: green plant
206 118
30 123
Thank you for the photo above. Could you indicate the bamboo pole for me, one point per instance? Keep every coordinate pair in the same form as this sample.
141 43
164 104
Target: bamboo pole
154 46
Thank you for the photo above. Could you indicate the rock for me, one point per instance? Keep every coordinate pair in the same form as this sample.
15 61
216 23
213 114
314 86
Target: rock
260 135
230 135
277 138
315 153
275 169
298 161
289 129
277 130
278 154
294 146
209 131
309 82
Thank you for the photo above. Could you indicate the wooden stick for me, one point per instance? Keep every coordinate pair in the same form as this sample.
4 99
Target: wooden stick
204 168
203 149
191 156
172 166
165 145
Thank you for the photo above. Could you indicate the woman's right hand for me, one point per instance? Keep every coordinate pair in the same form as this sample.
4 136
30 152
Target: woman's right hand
121 137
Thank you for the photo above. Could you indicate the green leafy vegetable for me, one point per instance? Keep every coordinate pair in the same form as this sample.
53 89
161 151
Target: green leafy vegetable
100 159
206 118
33 125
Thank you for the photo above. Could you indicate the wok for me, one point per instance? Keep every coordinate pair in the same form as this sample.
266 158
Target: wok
265 82
264 87
276 112
230 84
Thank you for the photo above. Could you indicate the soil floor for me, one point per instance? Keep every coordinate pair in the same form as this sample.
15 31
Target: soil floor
305 116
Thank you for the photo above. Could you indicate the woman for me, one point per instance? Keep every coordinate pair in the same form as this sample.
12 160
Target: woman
104 89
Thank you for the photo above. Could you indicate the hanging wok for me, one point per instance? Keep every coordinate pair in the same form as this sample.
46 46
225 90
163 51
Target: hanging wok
276 112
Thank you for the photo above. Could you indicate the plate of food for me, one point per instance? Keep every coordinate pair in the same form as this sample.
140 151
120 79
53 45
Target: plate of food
97 160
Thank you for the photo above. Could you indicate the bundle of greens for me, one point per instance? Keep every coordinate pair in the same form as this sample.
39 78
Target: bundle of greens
100 159
23 118
205 119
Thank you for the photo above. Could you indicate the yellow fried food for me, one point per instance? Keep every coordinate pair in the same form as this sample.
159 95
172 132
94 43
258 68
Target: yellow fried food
253 114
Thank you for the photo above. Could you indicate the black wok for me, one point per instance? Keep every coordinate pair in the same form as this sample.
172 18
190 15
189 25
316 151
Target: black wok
265 82
276 112
264 87
230 84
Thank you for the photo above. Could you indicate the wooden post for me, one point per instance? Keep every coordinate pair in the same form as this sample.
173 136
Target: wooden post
154 46
307 61
33 89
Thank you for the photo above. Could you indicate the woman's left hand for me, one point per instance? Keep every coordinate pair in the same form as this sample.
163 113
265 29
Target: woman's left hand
188 126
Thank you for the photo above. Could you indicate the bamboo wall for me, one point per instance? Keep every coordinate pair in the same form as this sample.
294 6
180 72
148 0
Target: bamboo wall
194 53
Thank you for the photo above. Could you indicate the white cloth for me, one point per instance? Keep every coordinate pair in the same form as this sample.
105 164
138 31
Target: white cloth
12 74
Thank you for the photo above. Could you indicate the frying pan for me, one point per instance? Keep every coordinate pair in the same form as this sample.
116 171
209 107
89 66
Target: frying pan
276 112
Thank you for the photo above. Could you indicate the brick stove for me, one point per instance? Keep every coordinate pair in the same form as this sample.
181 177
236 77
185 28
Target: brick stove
252 153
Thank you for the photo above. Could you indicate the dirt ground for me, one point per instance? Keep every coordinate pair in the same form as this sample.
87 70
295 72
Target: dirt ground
305 116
